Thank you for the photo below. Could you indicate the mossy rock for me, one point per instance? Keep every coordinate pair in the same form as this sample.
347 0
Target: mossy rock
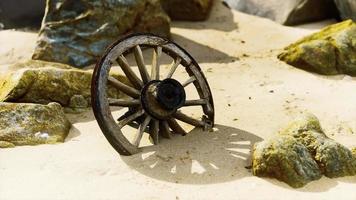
32 124
78 32
287 155
188 10
42 83
286 159
331 51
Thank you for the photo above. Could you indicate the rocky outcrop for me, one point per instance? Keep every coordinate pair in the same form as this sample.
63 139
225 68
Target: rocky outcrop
287 12
43 82
302 153
188 10
32 124
347 9
21 13
78 32
330 51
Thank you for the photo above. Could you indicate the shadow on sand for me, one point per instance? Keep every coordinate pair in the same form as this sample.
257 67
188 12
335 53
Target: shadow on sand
198 158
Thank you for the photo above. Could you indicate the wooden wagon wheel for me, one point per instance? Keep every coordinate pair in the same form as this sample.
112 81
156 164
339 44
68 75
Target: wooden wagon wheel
154 104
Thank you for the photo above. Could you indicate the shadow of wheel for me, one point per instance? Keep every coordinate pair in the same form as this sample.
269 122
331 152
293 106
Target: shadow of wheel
198 158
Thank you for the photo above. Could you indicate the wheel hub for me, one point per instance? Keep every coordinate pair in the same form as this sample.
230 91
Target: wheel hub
161 99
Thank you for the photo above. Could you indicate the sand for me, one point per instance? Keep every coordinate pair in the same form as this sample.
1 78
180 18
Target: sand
255 95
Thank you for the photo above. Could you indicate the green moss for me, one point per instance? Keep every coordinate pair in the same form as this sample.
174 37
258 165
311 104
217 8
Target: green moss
4 144
32 124
286 159
50 84
302 152
330 51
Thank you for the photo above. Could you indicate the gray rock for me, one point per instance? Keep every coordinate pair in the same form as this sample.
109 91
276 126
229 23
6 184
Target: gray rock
188 10
347 9
32 124
21 13
287 12
78 32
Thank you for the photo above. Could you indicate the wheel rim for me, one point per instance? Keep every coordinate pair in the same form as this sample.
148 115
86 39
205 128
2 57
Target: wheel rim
155 101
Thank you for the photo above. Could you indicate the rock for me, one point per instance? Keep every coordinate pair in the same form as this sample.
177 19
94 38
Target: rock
330 51
302 153
4 144
287 12
78 32
347 9
29 14
32 124
189 10
50 84
286 159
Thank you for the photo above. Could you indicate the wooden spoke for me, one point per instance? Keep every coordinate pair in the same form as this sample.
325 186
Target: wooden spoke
124 102
140 131
132 92
176 128
185 118
130 118
155 63
141 64
164 130
154 129
136 82
173 67
189 81
197 102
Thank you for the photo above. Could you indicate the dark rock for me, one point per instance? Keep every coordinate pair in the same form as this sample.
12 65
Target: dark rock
330 51
78 32
347 9
188 10
21 13
287 12
302 153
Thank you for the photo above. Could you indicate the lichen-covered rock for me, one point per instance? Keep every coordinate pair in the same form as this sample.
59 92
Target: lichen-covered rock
32 124
292 151
287 12
347 9
4 144
189 10
330 51
286 159
46 84
78 32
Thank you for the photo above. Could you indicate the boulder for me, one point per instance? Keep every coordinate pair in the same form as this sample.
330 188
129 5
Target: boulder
347 9
330 51
32 124
287 12
43 82
302 153
285 159
78 32
29 14
189 10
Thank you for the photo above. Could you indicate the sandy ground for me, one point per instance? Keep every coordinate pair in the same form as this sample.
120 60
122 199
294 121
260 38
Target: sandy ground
255 95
